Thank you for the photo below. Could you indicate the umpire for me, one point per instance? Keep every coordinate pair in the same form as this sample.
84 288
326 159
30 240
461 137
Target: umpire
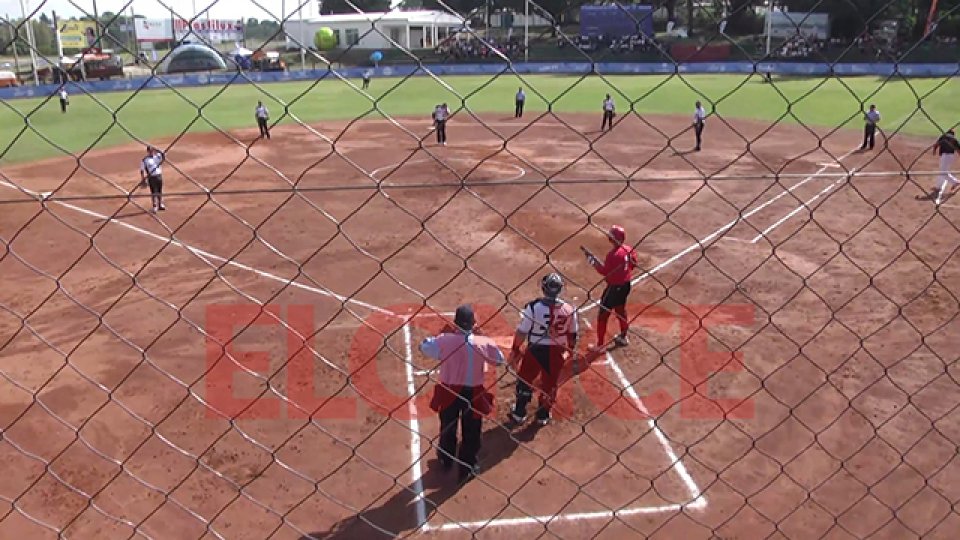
151 172
460 397
699 121
521 98
440 115
870 127
262 115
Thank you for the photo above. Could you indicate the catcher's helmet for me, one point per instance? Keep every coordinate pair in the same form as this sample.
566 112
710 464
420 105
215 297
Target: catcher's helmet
617 233
551 285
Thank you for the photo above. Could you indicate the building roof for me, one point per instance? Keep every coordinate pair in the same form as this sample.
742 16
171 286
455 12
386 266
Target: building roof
412 17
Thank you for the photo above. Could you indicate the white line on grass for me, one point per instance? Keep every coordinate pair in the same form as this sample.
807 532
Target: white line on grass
710 237
205 255
416 470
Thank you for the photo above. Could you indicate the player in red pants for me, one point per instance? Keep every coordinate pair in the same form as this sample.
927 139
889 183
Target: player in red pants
549 326
617 270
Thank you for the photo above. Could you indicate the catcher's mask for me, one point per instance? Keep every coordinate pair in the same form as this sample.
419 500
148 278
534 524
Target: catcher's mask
551 285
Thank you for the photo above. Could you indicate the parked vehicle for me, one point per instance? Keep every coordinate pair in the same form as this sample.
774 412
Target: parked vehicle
8 79
95 64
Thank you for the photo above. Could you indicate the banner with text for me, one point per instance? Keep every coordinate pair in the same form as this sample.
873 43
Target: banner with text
203 30
788 25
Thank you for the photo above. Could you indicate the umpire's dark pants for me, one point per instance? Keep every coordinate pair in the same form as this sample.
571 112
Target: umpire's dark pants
519 110
698 129
63 105
156 185
471 425
264 128
441 131
607 120
869 135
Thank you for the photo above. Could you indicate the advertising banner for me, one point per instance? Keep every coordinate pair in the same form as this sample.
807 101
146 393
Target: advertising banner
787 25
210 30
78 34
153 30
616 20
204 30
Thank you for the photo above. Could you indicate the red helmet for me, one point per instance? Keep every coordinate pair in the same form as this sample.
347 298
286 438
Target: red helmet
617 233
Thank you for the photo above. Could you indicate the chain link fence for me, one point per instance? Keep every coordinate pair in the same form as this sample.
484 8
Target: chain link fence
242 359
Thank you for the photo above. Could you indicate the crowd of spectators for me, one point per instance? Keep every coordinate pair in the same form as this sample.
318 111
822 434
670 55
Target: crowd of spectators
635 43
472 48
800 47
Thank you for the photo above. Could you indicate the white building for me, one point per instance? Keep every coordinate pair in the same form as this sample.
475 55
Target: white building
410 29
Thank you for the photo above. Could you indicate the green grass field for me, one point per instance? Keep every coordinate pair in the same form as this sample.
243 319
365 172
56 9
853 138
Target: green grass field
109 119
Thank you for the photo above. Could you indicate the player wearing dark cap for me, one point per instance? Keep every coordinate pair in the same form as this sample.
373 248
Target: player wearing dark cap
946 147
460 396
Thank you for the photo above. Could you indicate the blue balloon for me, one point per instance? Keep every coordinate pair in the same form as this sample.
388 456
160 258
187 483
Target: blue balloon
376 56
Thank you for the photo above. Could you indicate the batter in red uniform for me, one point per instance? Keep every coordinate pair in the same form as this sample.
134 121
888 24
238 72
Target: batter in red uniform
617 270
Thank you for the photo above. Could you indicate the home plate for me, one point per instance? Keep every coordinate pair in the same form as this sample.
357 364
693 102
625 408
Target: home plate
44 195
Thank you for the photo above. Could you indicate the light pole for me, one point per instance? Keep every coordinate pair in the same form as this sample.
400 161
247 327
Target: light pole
769 24
31 43
526 30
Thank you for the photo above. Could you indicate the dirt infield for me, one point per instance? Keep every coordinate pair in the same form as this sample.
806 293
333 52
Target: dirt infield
836 417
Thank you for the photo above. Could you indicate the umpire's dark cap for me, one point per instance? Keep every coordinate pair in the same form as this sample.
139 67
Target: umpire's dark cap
464 318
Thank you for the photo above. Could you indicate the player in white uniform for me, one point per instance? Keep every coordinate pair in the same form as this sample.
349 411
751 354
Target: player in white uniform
550 328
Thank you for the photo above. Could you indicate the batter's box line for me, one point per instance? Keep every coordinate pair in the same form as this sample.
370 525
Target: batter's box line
698 500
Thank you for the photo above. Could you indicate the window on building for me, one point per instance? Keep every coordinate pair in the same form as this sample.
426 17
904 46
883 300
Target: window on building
396 34
353 36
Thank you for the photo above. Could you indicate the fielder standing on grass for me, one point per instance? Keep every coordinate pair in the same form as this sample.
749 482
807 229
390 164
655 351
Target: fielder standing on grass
521 98
460 397
946 147
699 121
870 120
549 327
151 172
64 100
440 115
263 116
609 111
617 270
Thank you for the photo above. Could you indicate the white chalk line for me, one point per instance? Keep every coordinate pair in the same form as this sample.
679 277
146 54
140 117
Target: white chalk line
521 172
800 208
544 520
205 255
698 500
416 470
710 237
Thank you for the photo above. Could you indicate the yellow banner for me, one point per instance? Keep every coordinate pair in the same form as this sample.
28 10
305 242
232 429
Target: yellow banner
78 34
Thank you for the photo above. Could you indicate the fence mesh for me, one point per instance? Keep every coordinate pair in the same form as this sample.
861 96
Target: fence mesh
242 359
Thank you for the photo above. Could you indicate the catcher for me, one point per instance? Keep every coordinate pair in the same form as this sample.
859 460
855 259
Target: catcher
616 269
549 327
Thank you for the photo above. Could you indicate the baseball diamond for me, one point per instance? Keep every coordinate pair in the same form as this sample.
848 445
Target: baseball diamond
729 312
